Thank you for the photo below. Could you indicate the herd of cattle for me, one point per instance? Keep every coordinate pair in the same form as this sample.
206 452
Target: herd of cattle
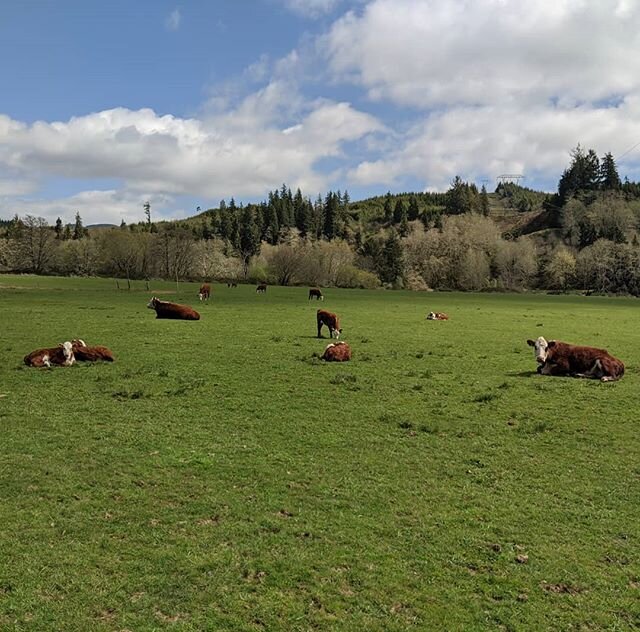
553 357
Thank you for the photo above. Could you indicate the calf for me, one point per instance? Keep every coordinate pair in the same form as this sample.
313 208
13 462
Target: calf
84 353
561 358
262 288
437 316
337 352
331 321
205 292
314 292
165 309
61 355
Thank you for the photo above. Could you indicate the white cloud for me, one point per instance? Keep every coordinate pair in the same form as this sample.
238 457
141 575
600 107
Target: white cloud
432 53
272 136
172 22
311 8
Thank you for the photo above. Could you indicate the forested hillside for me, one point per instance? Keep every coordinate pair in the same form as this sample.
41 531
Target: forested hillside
585 236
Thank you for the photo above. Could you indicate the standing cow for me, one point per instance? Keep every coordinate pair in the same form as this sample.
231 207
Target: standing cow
262 288
205 292
314 292
331 321
165 309
560 358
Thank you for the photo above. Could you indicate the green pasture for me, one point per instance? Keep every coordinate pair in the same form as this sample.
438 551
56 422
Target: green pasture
219 476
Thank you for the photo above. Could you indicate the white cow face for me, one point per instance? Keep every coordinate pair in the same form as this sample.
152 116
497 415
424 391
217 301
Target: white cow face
431 316
336 333
67 350
540 346
152 303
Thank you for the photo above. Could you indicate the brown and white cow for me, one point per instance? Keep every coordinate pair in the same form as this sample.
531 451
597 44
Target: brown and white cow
165 309
331 321
437 316
205 292
62 355
94 353
337 352
314 292
561 358
262 288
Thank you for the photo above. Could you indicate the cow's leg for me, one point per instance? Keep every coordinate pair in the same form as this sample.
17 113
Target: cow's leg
319 329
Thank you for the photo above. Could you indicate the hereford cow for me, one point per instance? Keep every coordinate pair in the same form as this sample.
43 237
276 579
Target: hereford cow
262 288
61 355
205 292
337 352
331 321
165 309
560 358
437 316
84 353
314 292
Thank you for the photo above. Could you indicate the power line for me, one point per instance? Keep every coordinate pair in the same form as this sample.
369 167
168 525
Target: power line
628 151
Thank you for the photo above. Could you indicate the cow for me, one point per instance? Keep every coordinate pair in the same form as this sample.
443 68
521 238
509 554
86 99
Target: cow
314 292
331 321
437 316
561 358
62 355
83 353
205 292
337 352
262 288
232 284
165 309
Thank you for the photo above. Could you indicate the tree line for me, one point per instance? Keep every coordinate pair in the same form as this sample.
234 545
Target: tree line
412 240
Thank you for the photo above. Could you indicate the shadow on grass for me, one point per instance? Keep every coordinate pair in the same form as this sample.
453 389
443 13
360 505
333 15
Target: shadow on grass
523 374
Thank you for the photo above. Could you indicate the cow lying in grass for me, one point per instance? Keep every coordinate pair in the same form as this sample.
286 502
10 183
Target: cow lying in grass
62 355
331 321
83 353
165 309
337 352
437 316
560 358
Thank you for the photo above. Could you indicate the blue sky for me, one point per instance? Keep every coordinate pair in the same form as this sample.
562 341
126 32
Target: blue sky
106 105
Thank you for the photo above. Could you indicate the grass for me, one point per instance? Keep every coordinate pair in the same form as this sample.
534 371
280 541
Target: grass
218 476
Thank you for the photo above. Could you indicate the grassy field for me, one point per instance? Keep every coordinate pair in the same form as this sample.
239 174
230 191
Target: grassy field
219 476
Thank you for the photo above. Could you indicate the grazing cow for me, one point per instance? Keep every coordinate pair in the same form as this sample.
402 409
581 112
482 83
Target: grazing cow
61 355
331 321
262 288
165 309
437 316
205 292
84 353
314 292
337 352
232 284
560 358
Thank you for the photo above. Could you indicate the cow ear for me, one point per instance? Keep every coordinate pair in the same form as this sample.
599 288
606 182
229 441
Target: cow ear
551 343
531 343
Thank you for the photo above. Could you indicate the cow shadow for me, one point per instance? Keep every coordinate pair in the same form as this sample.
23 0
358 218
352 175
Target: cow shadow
523 373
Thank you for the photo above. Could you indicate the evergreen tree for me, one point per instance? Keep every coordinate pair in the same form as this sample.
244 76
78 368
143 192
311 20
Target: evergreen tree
78 229
248 239
273 226
123 225
388 208
147 212
331 216
58 228
414 211
392 258
484 201
609 178
399 211
66 235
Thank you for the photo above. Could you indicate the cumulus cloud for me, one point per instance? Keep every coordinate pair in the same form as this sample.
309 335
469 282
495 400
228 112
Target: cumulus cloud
172 22
430 53
242 152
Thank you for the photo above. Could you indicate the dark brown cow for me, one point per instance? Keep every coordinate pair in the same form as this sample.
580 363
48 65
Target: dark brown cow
337 352
84 353
262 288
437 316
165 309
205 292
314 292
232 284
62 355
561 358
331 321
